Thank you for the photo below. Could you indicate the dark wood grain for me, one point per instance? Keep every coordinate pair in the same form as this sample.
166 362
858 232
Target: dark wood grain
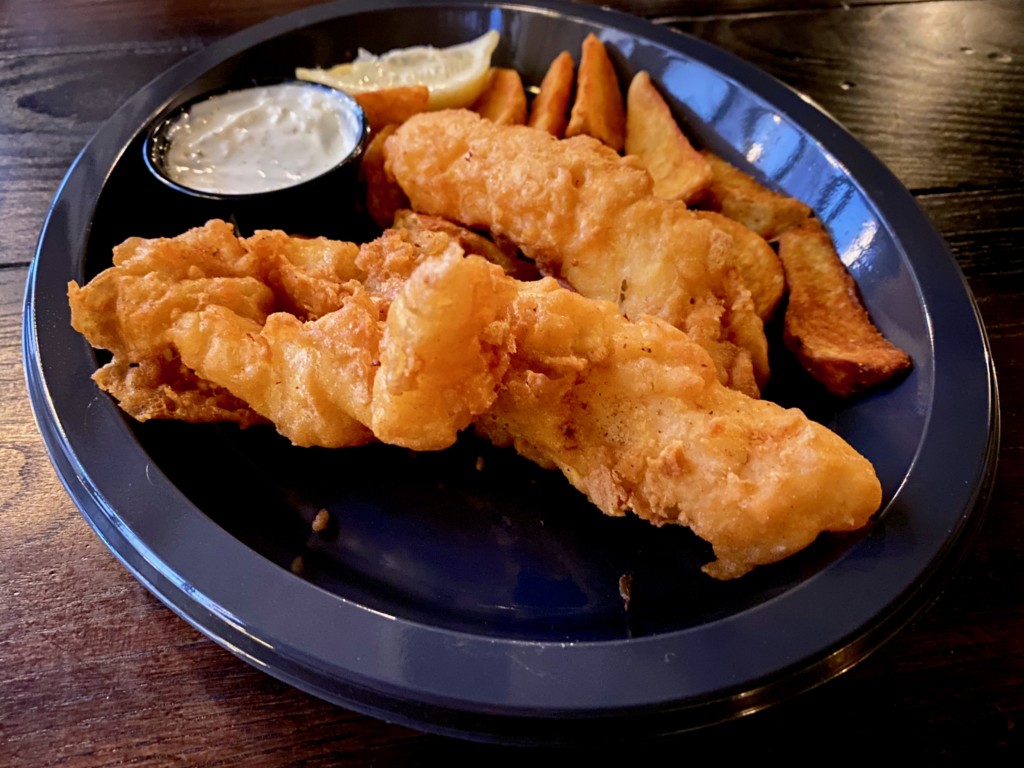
918 84
94 671
122 23
50 106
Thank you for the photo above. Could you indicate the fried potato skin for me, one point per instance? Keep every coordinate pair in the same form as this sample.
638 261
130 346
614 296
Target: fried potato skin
679 171
504 99
393 105
598 109
382 195
739 196
826 325
550 109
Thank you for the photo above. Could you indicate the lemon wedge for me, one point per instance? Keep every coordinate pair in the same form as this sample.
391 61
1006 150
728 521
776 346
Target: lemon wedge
455 76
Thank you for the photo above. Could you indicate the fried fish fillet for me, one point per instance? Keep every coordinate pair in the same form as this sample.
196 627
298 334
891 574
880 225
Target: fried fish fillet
432 341
634 417
590 217
445 349
310 277
313 380
130 308
503 253
130 314
415 379
207 326
164 388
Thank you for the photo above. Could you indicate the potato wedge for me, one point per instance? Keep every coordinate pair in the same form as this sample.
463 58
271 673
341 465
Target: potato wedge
740 197
598 110
825 325
383 195
679 171
759 266
550 110
393 105
503 100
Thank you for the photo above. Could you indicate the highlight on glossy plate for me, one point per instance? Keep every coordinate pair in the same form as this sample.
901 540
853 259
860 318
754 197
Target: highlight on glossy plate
563 273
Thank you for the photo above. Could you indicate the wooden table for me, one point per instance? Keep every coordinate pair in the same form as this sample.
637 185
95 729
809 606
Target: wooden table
95 671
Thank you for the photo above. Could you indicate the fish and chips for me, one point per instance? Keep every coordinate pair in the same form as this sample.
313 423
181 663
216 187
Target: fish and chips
602 314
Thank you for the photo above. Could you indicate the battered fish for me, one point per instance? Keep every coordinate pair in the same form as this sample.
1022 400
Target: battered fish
634 416
430 341
590 217
312 380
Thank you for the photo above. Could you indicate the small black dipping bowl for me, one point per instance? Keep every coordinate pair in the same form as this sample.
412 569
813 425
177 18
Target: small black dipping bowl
324 205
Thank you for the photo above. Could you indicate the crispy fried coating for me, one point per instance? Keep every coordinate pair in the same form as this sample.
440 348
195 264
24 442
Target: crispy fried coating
825 325
589 217
502 253
634 417
445 348
431 341
313 380
756 261
132 307
310 277
390 260
129 307
129 314
162 388
212 250
294 336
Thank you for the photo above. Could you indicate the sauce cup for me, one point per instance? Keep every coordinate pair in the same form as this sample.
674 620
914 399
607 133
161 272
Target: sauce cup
283 155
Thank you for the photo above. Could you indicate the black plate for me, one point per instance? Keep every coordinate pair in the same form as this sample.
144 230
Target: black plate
468 592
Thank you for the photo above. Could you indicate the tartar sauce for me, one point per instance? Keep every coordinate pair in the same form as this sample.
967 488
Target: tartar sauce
261 139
